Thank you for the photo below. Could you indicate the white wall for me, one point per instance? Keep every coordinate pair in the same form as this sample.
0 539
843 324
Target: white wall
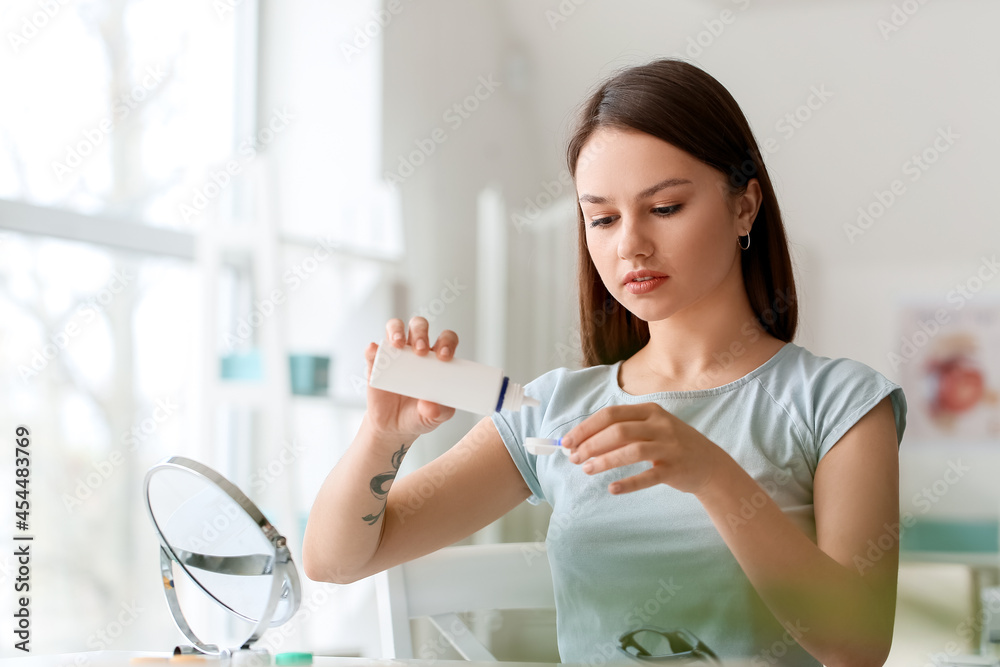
890 96
435 55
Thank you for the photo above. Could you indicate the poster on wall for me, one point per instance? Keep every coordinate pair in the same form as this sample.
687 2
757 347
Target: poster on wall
948 360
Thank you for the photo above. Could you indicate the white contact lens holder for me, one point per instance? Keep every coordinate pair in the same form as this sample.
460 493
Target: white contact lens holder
544 446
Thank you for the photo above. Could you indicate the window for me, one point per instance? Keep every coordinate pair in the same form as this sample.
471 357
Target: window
130 246
123 106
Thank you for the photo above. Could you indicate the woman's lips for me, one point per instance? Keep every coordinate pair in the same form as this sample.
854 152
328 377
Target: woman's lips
645 286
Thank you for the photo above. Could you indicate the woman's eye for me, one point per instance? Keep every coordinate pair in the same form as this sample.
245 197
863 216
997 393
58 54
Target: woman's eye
602 222
662 211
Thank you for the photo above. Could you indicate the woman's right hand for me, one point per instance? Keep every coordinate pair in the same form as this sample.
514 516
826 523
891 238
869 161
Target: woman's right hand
402 416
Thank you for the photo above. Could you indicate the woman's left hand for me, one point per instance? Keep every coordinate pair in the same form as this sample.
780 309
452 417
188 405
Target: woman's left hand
620 435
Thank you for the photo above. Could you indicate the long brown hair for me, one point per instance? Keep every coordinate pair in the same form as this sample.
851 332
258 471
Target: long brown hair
685 106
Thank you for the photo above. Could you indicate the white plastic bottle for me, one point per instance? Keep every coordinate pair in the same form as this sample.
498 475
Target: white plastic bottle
456 383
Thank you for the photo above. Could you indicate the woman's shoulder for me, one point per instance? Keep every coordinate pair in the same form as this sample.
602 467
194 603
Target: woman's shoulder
802 366
830 393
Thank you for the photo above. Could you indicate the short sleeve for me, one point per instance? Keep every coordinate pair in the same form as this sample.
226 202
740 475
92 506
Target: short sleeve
528 422
844 392
509 427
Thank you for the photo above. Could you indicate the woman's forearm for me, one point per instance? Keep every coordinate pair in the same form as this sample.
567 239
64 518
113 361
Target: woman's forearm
346 520
828 608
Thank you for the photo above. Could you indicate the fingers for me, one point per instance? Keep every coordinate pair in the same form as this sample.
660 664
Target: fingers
600 420
606 440
644 480
634 452
394 332
418 334
418 337
370 360
435 413
446 344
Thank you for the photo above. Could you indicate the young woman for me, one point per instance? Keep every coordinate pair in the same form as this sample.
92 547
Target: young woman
722 478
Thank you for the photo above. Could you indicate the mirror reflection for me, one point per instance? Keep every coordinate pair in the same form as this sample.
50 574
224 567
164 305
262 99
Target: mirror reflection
214 539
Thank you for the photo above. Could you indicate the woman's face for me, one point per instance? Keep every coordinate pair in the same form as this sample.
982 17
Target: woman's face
649 205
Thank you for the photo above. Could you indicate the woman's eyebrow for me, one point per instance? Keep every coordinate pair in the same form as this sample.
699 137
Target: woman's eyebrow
652 190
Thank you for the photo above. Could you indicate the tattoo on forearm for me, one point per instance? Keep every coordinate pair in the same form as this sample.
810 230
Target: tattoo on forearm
380 484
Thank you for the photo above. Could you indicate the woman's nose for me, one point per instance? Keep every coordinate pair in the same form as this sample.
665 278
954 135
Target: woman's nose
633 239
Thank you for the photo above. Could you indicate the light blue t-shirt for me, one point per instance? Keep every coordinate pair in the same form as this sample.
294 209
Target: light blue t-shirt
653 557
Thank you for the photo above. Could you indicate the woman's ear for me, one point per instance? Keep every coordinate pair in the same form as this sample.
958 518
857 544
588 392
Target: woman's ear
747 205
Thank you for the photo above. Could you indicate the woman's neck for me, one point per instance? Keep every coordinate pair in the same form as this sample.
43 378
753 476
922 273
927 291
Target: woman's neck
706 345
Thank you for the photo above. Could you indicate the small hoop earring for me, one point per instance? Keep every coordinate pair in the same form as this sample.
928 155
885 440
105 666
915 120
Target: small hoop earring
744 247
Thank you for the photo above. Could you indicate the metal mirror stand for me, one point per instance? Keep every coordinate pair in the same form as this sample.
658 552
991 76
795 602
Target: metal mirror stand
284 576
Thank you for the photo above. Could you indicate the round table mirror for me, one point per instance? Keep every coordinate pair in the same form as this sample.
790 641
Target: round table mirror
224 544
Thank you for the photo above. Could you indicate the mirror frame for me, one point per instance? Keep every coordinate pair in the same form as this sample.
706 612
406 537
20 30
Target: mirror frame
284 576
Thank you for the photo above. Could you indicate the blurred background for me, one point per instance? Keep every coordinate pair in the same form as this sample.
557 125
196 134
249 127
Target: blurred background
208 209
